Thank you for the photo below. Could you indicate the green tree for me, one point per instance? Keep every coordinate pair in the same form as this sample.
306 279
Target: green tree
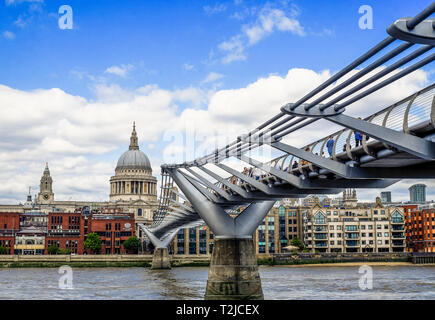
132 244
297 243
65 251
53 249
93 242
3 250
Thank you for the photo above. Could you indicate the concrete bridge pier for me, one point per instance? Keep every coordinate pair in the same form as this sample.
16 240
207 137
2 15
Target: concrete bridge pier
233 271
161 259
233 268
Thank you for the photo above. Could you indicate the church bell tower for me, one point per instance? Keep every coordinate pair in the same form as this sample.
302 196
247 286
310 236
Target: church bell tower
46 194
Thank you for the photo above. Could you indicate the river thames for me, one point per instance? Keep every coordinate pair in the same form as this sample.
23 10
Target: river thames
279 283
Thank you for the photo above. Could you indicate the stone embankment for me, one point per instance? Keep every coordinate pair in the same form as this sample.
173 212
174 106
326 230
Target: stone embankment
139 260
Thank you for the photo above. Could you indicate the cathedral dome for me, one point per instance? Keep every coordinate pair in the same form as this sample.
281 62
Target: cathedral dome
134 158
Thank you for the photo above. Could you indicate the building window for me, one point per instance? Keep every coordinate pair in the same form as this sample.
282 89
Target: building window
319 218
139 212
396 217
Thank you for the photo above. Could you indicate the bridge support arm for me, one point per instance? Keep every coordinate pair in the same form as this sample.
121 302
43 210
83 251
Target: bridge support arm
250 218
214 216
159 243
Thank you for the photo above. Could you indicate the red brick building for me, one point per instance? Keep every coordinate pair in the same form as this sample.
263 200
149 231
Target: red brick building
420 228
66 231
34 232
113 229
9 225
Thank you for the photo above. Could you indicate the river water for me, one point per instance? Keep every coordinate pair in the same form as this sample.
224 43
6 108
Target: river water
279 283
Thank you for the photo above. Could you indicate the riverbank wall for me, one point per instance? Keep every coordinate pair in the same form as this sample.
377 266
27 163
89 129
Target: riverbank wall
46 261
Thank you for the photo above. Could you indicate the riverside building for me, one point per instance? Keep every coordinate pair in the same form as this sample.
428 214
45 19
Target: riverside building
354 228
31 233
420 227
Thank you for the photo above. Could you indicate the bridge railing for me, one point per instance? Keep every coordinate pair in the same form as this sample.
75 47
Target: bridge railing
405 115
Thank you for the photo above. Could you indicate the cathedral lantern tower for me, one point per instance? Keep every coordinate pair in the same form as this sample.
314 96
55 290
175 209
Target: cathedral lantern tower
46 194
133 178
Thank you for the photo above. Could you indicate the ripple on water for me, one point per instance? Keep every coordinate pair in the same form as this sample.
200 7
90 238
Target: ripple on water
281 283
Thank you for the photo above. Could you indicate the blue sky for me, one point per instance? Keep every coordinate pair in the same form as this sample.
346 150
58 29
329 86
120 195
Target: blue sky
177 57
160 37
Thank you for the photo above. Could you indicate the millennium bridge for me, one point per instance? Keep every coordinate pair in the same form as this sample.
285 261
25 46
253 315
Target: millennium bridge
397 142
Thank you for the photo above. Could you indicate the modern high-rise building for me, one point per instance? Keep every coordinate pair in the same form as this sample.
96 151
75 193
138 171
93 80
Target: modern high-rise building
417 193
386 196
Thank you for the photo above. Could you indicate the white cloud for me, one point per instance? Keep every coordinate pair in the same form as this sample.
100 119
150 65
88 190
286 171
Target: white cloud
121 70
234 49
11 2
78 136
51 125
188 67
9 35
268 20
22 21
212 77
217 8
